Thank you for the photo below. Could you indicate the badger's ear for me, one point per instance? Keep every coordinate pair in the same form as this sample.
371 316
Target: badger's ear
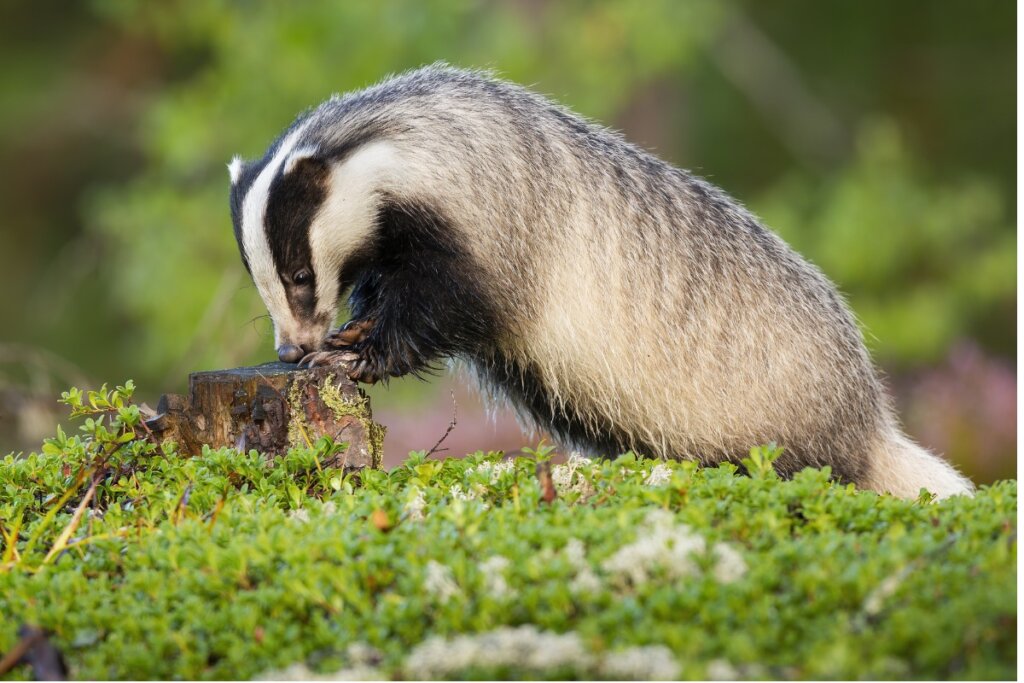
235 169
304 158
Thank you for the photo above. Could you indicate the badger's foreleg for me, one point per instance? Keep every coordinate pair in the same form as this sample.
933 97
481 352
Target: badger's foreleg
406 318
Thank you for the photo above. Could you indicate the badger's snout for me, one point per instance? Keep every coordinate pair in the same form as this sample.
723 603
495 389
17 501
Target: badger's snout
290 353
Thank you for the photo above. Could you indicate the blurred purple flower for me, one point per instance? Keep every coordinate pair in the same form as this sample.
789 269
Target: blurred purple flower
966 409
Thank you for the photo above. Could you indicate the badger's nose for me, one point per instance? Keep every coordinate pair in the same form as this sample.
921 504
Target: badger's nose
290 353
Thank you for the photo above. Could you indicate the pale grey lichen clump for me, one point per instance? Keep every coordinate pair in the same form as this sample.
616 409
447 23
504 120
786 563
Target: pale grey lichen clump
525 649
672 549
721 670
876 600
585 580
457 493
439 582
495 469
528 649
729 564
361 658
647 663
415 505
660 474
300 515
569 477
493 569
301 672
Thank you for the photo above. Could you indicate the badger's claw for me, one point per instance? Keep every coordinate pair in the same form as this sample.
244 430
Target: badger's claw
321 358
358 368
351 333
363 371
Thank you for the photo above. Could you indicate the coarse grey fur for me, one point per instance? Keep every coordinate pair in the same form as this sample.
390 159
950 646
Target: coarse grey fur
611 298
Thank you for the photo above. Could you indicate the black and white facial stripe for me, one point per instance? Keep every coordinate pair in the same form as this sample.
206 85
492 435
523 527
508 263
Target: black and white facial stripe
295 196
302 215
273 245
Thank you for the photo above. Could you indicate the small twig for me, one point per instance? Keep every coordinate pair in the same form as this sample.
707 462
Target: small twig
216 512
448 431
35 649
179 510
548 493
11 540
76 518
55 508
14 655
86 540
149 432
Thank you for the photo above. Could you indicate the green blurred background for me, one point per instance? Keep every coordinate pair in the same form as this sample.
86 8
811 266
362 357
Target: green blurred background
877 137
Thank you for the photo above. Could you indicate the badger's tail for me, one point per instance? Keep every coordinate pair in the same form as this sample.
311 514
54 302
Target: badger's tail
901 467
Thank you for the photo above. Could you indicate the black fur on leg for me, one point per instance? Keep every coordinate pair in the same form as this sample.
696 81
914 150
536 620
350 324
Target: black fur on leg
525 386
423 293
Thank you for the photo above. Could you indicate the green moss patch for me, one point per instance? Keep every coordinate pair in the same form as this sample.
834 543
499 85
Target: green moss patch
229 565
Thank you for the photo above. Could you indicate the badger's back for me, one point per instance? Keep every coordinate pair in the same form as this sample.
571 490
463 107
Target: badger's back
638 306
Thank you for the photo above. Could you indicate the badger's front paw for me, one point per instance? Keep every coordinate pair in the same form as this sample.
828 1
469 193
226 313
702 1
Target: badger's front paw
351 333
364 365
370 354
322 358
350 344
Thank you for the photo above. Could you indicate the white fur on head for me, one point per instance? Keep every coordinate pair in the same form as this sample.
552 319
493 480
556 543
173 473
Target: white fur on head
257 250
235 169
349 213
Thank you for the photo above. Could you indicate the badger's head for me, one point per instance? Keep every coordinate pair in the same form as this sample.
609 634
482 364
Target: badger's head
303 218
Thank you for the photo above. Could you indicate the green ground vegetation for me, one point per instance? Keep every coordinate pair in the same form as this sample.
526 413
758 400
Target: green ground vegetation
142 564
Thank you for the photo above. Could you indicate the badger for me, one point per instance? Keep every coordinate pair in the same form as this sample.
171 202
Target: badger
613 300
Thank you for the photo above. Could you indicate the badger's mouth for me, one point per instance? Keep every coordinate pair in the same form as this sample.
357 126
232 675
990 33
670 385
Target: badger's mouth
308 336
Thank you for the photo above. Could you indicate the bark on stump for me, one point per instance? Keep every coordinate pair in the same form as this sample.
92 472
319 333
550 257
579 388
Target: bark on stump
271 408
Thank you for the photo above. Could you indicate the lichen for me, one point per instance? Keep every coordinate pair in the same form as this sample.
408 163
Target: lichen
375 436
298 428
332 395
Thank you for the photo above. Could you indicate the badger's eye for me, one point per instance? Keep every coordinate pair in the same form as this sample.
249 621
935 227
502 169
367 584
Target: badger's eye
303 277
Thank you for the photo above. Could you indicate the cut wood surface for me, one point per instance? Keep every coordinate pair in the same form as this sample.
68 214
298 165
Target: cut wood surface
271 408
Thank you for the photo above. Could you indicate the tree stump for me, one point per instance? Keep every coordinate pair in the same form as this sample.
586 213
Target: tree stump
271 408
